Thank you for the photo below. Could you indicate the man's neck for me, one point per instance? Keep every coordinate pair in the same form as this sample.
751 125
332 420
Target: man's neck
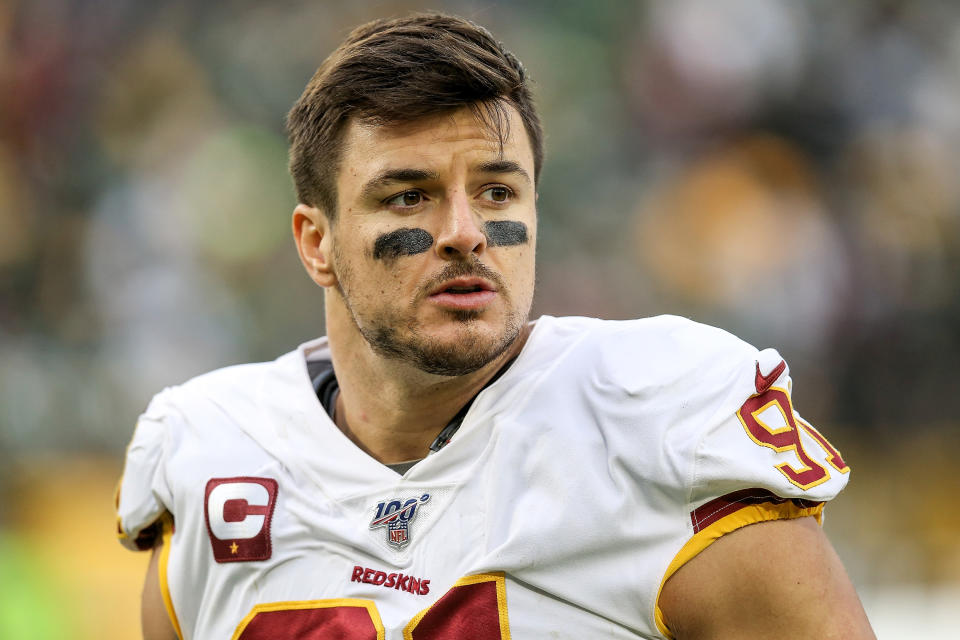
390 409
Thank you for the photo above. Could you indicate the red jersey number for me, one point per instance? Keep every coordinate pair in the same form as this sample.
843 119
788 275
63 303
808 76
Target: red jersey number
785 436
475 607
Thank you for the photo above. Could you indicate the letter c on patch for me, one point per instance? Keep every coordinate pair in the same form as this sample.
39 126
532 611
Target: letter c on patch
238 513
237 509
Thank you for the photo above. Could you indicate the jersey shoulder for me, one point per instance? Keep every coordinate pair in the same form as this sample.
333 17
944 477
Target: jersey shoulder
212 414
695 408
644 355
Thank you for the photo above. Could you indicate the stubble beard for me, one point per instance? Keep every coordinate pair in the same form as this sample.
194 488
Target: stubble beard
398 335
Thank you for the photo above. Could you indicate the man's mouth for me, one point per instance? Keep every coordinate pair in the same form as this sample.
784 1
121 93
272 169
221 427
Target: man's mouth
467 289
463 285
464 293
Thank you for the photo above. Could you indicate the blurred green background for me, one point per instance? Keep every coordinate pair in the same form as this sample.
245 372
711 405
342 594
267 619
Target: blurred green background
784 169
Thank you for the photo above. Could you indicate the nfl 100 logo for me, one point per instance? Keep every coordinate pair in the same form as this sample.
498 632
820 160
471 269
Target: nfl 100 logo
396 516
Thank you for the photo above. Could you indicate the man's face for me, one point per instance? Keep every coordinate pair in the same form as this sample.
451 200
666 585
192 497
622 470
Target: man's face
434 240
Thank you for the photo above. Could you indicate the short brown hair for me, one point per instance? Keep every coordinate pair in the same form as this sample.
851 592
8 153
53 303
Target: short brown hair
396 71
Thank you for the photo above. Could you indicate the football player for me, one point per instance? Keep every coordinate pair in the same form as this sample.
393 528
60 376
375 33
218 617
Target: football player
437 466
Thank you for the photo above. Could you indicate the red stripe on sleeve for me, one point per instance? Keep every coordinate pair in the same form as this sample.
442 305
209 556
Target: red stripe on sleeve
706 514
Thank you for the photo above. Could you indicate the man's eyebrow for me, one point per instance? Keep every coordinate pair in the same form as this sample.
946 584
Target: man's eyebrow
503 166
390 176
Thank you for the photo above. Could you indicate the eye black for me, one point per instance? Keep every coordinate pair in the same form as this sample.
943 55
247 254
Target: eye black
499 194
411 198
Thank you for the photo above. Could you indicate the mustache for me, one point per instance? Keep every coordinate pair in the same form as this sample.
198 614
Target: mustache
463 269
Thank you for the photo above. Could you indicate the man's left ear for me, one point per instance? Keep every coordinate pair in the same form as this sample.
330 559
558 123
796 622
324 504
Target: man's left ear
311 232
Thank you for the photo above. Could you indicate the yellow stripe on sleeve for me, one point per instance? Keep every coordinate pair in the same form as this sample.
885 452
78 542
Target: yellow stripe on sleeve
748 514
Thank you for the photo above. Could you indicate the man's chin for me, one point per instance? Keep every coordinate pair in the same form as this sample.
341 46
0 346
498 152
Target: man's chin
452 349
465 315
458 355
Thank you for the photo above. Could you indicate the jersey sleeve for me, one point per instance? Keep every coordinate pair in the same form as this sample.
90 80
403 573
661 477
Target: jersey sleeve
143 495
758 452
754 459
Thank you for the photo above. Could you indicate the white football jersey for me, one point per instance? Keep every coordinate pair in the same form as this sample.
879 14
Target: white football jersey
605 457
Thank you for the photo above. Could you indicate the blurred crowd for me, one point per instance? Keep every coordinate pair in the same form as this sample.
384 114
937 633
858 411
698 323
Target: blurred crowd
783 169
786 170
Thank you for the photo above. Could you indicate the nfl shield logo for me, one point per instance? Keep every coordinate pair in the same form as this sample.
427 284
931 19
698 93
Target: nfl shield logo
395 516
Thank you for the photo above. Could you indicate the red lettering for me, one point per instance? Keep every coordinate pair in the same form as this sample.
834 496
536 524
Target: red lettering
397 581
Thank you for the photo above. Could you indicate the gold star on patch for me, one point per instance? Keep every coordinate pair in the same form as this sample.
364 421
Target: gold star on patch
234 547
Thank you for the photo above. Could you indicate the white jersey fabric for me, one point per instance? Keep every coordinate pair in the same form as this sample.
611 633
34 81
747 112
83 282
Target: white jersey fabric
605 457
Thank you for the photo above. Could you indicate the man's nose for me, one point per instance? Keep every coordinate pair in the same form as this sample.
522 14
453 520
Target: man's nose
461 233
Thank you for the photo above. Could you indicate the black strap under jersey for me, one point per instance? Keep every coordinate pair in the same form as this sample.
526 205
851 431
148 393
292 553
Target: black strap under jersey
324 383
326 387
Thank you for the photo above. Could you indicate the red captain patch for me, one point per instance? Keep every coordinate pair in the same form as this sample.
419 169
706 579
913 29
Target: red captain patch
238 512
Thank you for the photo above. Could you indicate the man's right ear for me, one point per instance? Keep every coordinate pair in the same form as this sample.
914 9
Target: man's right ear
311 232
